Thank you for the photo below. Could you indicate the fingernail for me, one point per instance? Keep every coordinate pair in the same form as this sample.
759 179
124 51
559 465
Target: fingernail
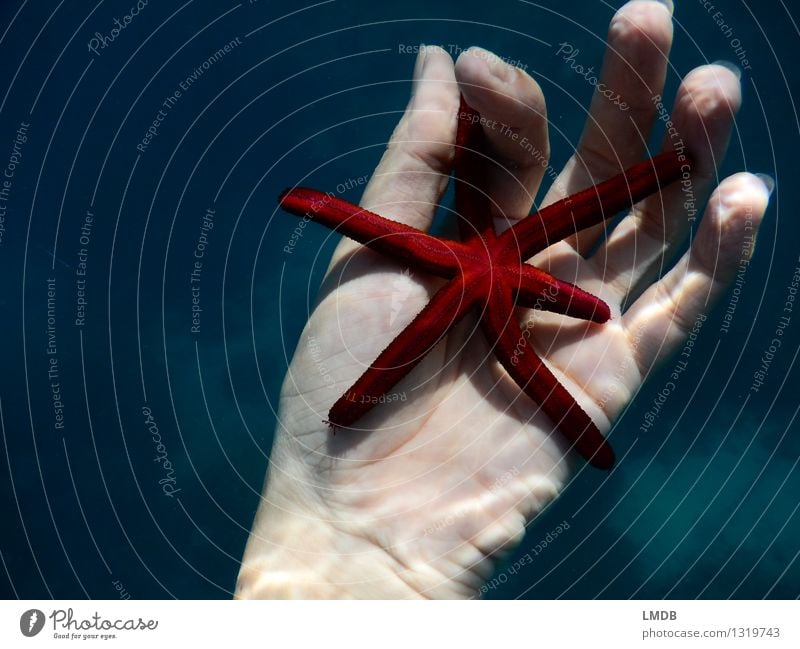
730 66
769 182
419 66
498 68
668 4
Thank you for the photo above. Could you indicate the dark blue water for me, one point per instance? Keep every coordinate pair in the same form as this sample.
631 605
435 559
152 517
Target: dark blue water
100 362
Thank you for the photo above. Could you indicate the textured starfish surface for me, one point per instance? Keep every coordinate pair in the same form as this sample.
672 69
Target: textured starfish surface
487 272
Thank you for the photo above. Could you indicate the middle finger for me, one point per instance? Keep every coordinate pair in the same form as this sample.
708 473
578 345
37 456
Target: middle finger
622 110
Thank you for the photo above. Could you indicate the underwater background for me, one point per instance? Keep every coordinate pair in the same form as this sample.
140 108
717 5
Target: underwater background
138 390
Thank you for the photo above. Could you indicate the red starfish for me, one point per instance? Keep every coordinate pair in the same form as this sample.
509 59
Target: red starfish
488 272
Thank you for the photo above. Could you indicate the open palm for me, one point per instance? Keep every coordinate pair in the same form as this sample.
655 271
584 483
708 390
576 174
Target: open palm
448 470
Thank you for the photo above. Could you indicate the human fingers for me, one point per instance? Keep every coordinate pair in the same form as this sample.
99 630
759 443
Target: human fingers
660 320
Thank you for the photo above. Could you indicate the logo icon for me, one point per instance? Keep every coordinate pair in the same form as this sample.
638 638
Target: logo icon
31 622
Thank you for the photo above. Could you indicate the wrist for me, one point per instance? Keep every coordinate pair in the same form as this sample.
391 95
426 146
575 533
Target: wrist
293 555
317 538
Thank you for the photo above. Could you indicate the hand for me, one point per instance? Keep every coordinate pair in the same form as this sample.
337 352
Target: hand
462 461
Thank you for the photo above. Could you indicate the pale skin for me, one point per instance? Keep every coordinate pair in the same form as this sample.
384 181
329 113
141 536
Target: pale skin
443 478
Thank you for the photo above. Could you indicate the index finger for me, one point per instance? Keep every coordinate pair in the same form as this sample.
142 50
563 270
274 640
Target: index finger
413 173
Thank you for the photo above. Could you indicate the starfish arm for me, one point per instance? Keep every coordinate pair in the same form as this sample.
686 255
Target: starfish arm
536 289
402 242
591 206
514 351
446 308
471 202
